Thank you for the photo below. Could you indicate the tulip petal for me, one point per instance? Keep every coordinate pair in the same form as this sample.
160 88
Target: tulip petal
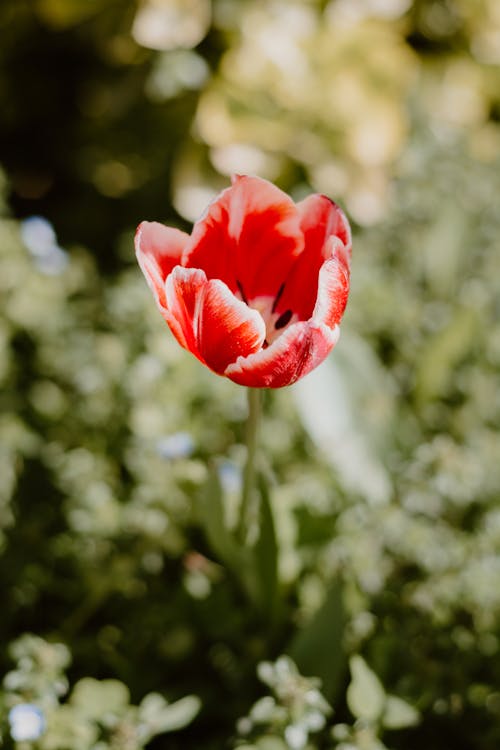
184 290
227 327
320 219
301 348
333 289
158 249
321 222
248 238
216 327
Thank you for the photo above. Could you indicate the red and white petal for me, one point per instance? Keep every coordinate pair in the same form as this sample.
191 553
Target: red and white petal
301 348
326 232
250 234
321 218
216 327
184 290
226 327
158 249
333 291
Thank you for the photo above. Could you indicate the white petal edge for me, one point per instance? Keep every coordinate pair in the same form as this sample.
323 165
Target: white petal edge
281 344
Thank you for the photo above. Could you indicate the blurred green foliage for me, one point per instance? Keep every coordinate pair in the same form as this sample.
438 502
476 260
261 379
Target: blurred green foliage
128 610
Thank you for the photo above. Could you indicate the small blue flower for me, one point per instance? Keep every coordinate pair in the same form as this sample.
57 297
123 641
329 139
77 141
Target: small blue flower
230 477
38 235
27 722
40 238
177 445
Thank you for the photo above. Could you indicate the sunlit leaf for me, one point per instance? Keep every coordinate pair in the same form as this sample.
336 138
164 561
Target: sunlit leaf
346 406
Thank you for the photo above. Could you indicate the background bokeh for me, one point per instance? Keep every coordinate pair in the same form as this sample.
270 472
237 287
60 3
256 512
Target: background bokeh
122 618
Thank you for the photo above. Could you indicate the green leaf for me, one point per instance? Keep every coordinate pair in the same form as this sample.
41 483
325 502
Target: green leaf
442 247
399 714
365 695
443 352
265 554
213 519
93 699
255 567
317 649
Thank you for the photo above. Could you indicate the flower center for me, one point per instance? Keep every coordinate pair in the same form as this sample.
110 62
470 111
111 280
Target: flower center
276 323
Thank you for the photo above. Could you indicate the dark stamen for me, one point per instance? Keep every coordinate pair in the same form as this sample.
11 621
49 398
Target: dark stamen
277 298
265 344
283 319
243 295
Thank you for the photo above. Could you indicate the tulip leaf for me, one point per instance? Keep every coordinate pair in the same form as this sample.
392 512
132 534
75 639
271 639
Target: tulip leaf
365 695
265 554
317 649
213 518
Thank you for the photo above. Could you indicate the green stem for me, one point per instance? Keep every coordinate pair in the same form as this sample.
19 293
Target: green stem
254 409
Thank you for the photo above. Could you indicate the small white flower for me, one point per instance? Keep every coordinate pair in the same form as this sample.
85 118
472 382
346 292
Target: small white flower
296 736
314 721
263 710
27 722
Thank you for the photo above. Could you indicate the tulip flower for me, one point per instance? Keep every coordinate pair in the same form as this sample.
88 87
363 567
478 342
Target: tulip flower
258 289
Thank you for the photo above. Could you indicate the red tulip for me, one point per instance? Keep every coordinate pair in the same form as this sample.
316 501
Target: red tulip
258 289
